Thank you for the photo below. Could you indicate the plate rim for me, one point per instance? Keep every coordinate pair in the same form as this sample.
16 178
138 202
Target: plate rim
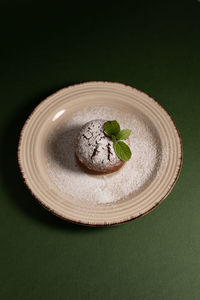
74 86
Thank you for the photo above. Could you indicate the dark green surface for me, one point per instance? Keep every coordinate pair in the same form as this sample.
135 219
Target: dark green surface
152 46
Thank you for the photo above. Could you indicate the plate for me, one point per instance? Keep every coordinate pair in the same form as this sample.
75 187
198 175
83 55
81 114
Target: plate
54 112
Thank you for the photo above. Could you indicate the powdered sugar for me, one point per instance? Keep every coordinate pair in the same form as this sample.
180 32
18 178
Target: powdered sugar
134 176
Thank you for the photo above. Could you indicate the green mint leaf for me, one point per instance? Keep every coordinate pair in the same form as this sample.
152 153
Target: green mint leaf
123 134
111 128
113 138
122 150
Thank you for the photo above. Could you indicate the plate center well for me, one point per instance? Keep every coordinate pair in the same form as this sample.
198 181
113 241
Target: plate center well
130 180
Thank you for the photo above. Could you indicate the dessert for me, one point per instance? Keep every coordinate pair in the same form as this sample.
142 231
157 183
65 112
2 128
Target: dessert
95 149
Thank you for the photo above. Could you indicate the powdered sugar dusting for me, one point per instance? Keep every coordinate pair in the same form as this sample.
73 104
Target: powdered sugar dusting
134 176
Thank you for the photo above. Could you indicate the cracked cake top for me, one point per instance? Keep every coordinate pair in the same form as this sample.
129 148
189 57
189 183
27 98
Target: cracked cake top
94 148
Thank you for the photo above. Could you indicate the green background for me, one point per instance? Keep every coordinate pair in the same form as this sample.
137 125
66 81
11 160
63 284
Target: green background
151 45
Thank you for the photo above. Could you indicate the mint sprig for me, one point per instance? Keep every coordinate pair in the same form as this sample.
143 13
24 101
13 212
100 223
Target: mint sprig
122 150
112 129
123 134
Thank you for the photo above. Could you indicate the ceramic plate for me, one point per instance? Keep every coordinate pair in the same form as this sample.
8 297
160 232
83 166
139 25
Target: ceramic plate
56 193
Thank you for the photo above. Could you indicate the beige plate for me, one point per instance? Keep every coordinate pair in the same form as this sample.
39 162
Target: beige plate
60 106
